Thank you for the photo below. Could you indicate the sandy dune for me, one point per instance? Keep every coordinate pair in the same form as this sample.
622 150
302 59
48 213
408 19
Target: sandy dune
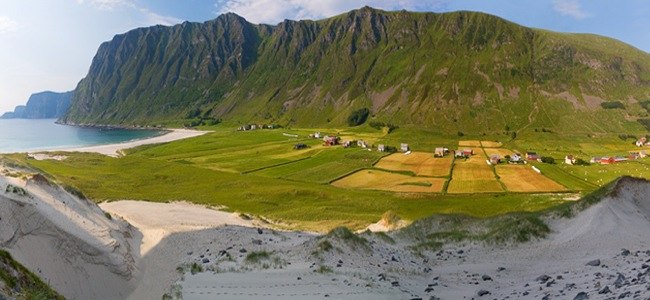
115 149
67 241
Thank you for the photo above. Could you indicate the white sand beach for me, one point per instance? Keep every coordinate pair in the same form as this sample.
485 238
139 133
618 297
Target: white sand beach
114 150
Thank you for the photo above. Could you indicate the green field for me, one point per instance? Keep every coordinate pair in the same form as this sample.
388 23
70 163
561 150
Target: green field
259 173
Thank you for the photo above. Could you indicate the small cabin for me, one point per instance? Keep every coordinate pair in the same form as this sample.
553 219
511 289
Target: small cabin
331 140
532 156
515 158
569 160
495 159
440 152
404 147
381 148
362 144
641 142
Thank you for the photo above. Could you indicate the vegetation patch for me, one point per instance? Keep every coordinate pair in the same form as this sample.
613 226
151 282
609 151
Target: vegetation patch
358 117
21 283
612 105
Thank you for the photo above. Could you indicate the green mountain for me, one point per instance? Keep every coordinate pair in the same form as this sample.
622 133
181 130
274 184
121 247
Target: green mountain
459 71
44 105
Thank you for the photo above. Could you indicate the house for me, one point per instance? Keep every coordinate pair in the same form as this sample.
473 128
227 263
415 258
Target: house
641 142
634 155
404 147
643 154
532 156
495 159
330 140
440 152
381 148
317 135
515 158
362 144
300 146
603 160
253 127
347 144
464 153
569 160
620 159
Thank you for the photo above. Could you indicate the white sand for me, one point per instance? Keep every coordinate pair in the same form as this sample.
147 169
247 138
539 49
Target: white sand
68 242
115 149
158 220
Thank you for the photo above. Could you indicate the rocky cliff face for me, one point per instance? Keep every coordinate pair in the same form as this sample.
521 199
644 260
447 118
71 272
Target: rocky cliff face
454 71
44 105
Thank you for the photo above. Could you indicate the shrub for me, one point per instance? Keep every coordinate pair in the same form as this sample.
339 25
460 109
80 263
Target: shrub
358 117
548 160
460 133
108 216
581 162
612 105
257 256
196 268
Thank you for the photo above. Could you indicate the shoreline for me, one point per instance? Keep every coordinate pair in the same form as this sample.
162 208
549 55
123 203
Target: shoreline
115 149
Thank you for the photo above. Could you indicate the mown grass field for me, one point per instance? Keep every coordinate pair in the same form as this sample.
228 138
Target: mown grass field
500 151
491 144
473 175
522 178
388 181
420 163
471 143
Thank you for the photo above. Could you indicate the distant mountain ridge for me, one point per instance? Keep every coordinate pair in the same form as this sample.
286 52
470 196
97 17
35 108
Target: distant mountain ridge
459 71
44 105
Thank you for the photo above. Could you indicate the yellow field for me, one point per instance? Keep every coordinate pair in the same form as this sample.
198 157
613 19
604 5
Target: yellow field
380 180
420 163
473 176
519 178
469 143
473 186
490 144
473 169
502 152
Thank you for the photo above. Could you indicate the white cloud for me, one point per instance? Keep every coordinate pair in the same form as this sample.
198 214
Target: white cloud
154 18
275 11
107 4
149 17
7 25
570 8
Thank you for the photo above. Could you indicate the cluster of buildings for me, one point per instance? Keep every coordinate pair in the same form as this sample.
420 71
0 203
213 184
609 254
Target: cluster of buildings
248 127
606 160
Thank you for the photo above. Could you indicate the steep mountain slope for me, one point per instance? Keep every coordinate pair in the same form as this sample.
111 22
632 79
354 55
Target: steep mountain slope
44 105
463 71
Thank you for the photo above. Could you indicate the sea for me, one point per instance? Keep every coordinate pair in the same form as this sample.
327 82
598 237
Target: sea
22 135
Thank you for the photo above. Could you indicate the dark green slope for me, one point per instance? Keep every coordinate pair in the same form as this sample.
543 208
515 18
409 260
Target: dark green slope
460 71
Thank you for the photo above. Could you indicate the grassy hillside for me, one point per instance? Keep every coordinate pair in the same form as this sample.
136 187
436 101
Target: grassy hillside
454 72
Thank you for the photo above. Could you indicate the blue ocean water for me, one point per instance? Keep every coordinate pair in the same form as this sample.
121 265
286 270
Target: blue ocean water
20 135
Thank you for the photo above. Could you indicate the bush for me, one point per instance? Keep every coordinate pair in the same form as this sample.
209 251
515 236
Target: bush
460 133
612 105
380 125
358 117
548 160
581 162
108 216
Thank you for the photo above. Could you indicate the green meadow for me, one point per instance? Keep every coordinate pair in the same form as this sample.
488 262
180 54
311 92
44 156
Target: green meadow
260 174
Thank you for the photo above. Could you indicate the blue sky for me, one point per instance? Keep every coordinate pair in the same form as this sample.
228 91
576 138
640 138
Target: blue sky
49 44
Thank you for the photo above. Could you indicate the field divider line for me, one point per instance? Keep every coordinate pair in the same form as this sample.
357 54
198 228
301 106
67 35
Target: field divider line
450 176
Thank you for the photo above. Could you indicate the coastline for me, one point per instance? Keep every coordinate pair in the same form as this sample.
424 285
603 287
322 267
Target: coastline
115 150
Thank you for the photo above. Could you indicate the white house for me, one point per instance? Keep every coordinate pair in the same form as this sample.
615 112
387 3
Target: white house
569 160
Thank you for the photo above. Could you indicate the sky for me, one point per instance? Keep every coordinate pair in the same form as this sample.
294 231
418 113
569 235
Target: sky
49 44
